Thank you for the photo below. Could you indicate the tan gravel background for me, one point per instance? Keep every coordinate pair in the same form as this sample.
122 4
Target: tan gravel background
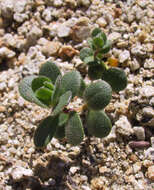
33 31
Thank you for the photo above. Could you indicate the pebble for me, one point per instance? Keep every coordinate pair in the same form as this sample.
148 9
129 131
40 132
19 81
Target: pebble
123 126
114 37
139 144
150 173
134 65
149 64
147 91
149 153
74 169
63 31
124 56
51 48
101 22
6 53
19 172
139 132
148 111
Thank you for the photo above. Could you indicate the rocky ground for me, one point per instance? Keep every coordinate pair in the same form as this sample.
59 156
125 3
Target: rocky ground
33 31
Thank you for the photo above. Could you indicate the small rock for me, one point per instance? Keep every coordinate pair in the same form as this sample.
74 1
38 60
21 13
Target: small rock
152 141
67 52
103 169
123 126
85 3
80 33
6 53
137 167
149 153
101 22
139 132
152 101
19 172
124 56
19 6
114 37
149 64
58 3
134 65
47 15
148 111
139 51
3 86
63 31
150 173
7 7
51 48
147 91
142 36
74 169
139 144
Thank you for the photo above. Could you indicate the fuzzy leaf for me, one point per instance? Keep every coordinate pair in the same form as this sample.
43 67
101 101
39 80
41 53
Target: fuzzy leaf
95 32
45 131
63 101
60 132
44 94
106 48
82 88
26 91
116 77
85 52
98 124
50 70
95 72
39 82
49 85
89 60
98 42
57 91
71 81
98 95
74 130
63 118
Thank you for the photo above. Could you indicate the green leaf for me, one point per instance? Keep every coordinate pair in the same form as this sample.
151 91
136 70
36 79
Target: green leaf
71 81
44 94
95 72
85 52
60 132
63 118
74 130
27 93
49 85
106 48
50 70
45 131
116 77
95 32
57 91
39 82
98 95
98 124
98 42
103 35
89 60
82 88
63 101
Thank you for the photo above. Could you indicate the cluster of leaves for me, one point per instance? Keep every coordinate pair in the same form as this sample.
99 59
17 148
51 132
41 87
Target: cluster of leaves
98 67
52 90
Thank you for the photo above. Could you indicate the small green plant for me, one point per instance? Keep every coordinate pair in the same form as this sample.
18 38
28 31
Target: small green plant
52 90
98 67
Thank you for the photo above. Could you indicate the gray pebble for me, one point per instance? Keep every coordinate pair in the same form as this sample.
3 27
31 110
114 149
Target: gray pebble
139 132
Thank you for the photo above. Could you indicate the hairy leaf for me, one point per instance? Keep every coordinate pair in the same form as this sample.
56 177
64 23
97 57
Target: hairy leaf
74 130
63 118
98 124
116 77
63 101
98 95
85 52
71 81
95 32
26 91
106 48
45 131
39 82
44 94
48 85
50 70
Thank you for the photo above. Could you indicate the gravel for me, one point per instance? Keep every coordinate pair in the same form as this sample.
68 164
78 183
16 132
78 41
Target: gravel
34 31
